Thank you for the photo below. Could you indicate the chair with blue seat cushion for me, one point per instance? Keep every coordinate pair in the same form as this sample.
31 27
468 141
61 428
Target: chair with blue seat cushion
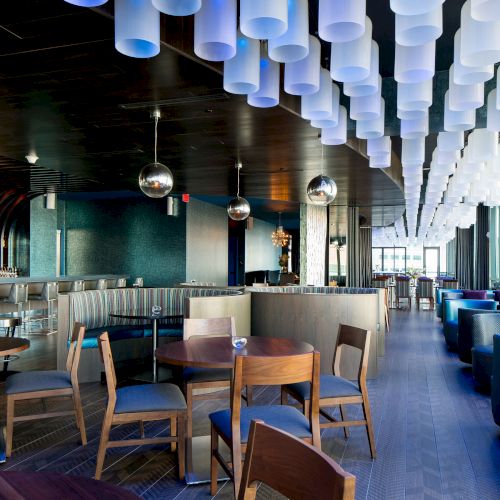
47 384
274 457
450 319
232 425
439 299
484 327
140 403
205 378
495 379
464 339
335 390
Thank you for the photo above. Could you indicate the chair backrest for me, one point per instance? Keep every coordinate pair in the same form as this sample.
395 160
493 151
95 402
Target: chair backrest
291 467
121 283
75 348
357 338
495 380
102 284
139 282
450 283
276 370
77 286
402 287
209 327
425 288
484 326
109 367
50 290
451 307
18 293
465 331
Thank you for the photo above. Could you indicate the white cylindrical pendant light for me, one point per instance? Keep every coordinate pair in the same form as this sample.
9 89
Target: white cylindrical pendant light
414 64
177 7
302 77
87 3
412 129
318 106
464 97
341 20
263 19
415 96
268 94
480 41
371 83
419 29
371 129
350 61
411 115
412 7
380 161
242 72
450 141
467 75
412 169
293 45
379 146
413 151
485 10
334 136
366 107
457 120
137 28
485 145
493 113
215 30
333 119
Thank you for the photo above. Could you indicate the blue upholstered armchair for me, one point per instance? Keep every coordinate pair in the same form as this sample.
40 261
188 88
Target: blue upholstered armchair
465 332
495 380
484 327
440 298
450 318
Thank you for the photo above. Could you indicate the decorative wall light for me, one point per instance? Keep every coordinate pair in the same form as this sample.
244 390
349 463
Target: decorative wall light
280 237
238 208
321 189
155 179
137 28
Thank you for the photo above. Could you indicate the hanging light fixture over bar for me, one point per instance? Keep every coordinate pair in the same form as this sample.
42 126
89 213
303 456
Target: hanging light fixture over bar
238 208
280 237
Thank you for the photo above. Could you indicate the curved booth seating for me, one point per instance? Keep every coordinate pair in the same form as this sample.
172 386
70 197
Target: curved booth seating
440 298
444 294
450 320
131 338
484 327
465 332
495 380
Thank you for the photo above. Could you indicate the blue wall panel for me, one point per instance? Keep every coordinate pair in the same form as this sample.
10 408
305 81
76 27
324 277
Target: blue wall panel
43 227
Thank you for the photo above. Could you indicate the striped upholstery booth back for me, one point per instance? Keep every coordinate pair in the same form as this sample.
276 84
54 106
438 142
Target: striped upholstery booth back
312 289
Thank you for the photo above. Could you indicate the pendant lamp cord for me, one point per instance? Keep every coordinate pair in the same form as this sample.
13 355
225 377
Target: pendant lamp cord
156 134
322 161
238 191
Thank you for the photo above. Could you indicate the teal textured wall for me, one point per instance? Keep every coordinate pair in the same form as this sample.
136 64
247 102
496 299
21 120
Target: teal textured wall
131 236
43 227
260 253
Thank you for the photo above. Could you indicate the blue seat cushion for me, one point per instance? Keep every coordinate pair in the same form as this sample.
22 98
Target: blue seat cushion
206 374
329 386
164 331
483 351
149 397
116 332
286 418
37 381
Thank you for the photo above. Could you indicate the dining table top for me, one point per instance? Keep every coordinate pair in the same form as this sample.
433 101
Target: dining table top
11 345
218 352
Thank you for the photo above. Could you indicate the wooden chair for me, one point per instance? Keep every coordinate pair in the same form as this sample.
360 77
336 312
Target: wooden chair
402 291
232 425
140 403
47 384
336 390
291 467
205 378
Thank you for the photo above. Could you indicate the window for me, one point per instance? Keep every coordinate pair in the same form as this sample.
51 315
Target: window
431 261
389 259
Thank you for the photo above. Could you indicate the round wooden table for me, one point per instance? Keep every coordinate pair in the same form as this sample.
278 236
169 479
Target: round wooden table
49 485
218 352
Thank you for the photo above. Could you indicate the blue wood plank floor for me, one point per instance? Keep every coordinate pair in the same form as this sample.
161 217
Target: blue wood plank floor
435 435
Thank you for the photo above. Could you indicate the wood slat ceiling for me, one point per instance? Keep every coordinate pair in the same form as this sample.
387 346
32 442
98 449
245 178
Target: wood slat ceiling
69 96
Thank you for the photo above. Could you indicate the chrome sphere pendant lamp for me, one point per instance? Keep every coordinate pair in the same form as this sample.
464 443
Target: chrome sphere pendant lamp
156 180
321 190
238 208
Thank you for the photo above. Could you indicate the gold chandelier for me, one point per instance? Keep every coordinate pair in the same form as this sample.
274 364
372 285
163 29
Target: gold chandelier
280 237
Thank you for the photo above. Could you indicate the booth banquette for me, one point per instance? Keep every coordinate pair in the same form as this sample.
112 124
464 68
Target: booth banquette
131 338
313 314
443 294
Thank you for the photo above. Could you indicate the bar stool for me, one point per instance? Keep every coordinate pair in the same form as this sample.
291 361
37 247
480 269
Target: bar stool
18 295
139 282
121 283
77 286
48 295
102 284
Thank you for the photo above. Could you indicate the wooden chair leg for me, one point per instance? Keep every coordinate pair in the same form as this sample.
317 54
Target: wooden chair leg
236 458
141 429
103 444
369 426
342 415
249 395
173 432
284 397
180 426
9 426
214 445
189 407
79 415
